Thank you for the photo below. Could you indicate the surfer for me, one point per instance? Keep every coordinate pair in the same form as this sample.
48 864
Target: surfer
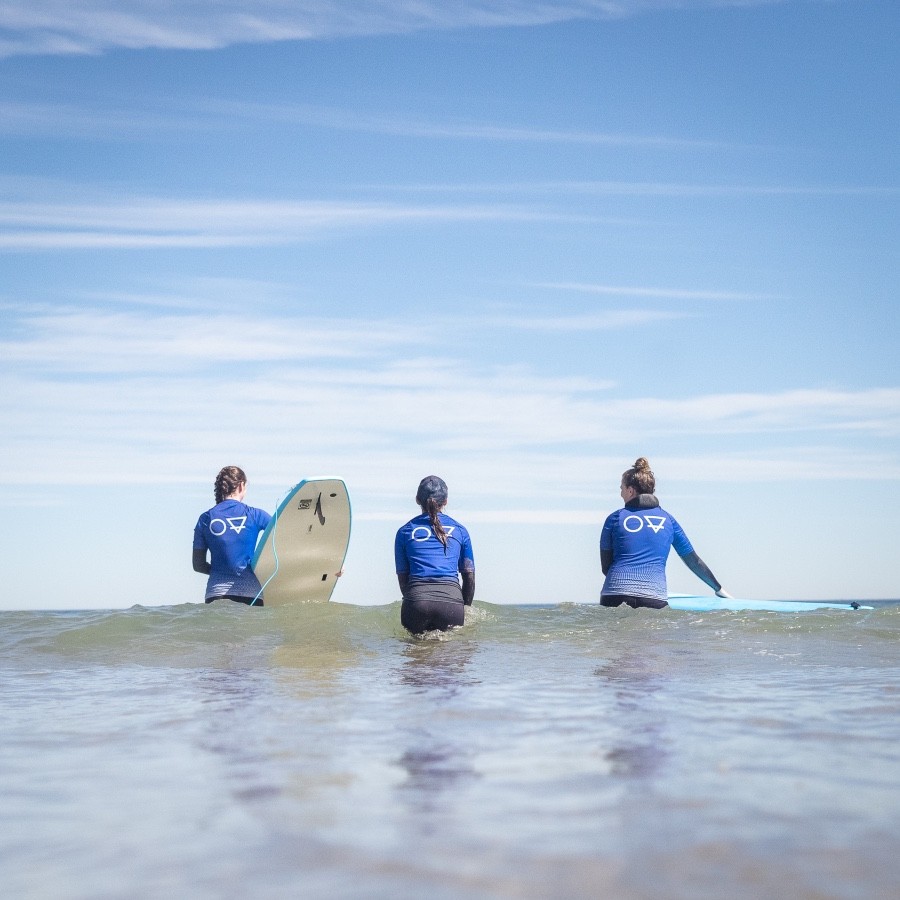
432 552
635 543
229 532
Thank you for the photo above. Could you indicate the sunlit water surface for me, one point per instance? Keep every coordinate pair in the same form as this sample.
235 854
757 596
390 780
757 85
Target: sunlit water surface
567 751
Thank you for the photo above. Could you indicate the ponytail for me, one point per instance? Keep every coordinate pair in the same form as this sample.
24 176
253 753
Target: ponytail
432 510
432 497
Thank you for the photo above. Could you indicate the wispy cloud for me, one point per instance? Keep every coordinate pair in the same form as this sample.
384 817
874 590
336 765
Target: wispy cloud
55 119
653 293
155 223
875 410
110 396
350 120
497 431
602 321
79 342
677 190
208 294
73 120
91 26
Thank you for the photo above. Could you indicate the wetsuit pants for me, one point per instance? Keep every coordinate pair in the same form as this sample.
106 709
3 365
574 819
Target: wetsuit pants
432 606
248 600
633 602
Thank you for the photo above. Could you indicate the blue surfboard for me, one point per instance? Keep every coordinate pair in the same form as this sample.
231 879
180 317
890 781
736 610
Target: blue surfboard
697 603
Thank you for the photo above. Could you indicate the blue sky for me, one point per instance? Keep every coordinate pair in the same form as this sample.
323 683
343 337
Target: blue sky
515 244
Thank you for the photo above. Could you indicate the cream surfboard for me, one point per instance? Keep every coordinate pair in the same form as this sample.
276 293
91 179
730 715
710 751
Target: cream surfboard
303 548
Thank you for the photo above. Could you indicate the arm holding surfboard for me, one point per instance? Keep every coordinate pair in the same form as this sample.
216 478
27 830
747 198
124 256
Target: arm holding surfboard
702 571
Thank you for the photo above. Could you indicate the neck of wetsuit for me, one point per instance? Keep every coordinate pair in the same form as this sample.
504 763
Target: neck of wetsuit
643 501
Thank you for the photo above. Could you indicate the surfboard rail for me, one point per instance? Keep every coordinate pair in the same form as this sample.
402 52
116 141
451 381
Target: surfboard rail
701 603
302 550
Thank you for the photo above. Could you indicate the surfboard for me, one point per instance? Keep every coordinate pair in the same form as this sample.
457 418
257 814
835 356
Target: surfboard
303 548
698 603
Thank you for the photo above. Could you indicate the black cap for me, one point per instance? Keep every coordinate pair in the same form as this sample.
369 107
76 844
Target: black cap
432 488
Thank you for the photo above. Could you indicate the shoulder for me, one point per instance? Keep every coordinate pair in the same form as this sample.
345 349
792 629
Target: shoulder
210 514
612 519
416 520
412 523
676 525
454 524
672 524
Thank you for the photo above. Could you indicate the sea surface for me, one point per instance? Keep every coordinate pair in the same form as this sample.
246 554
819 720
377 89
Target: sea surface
560 751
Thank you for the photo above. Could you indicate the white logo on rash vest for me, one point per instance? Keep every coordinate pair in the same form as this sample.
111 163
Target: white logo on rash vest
634 524
423 532
236 523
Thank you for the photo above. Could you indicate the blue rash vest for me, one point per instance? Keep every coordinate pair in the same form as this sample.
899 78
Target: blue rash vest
421 555
229 531
640 539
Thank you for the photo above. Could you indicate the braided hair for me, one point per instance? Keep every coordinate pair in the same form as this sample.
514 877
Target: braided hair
640 477
228 481
432 497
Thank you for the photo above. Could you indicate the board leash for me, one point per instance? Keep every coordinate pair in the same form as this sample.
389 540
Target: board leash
274 550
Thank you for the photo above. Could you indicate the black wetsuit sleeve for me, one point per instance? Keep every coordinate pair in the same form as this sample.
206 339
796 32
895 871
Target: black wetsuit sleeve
606 560
701 570
199 561
468 586
403 579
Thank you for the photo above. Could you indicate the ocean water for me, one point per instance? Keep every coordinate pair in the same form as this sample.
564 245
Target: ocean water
566 751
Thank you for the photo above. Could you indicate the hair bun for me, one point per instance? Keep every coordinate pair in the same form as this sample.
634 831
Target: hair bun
641 464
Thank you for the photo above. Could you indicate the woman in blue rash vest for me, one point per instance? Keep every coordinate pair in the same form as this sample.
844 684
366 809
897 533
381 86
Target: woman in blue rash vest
635 542
432 552
229 532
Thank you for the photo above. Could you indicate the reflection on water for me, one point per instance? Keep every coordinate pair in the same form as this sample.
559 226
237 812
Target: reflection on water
318 644
227 690
431 768
640 749
228 702
437 665
435 759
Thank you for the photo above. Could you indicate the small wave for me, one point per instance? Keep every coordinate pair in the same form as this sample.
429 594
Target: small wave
196 635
